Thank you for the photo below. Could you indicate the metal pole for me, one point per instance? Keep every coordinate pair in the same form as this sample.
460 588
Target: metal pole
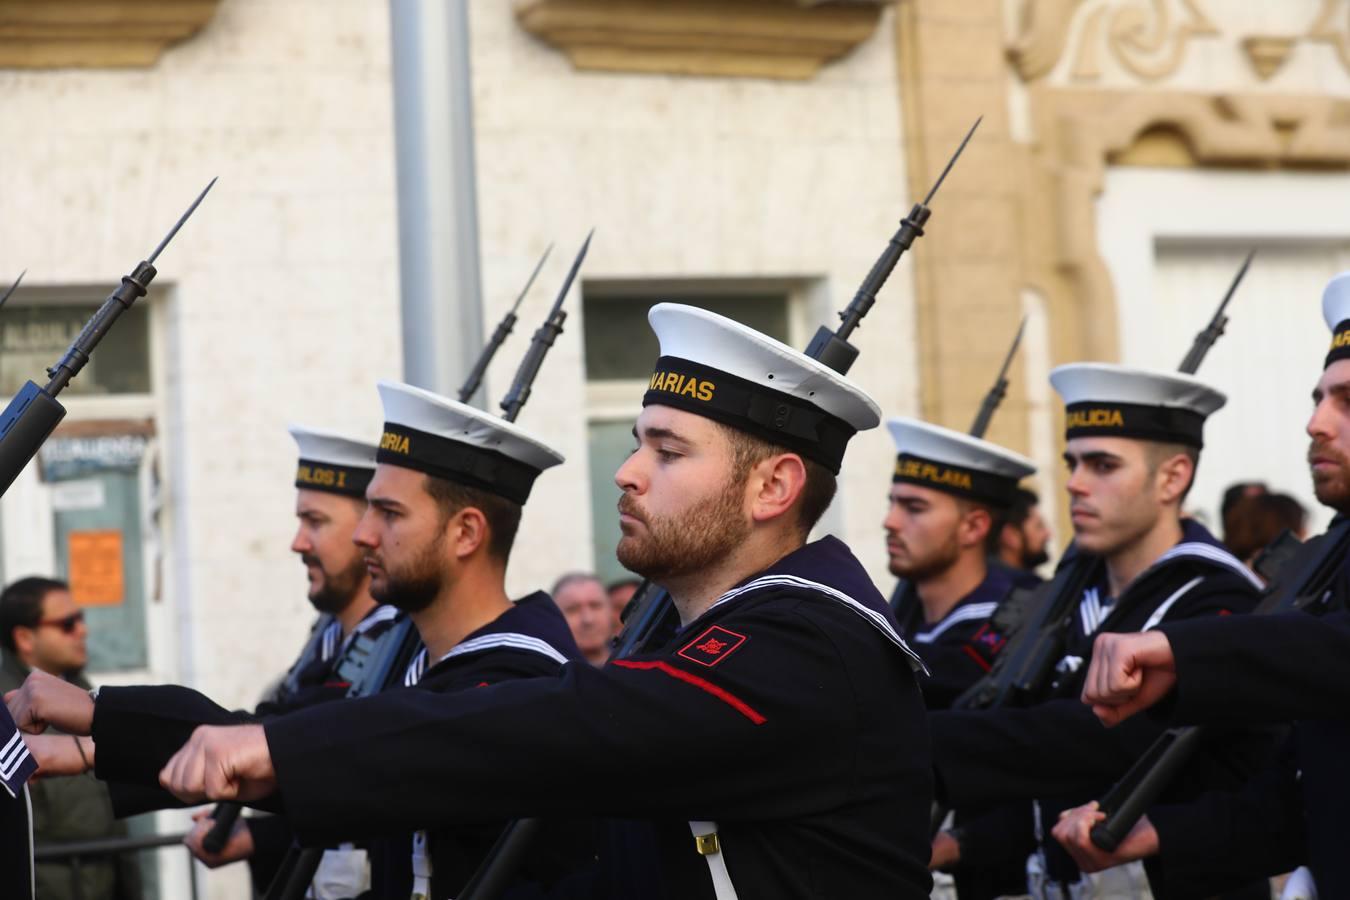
441 293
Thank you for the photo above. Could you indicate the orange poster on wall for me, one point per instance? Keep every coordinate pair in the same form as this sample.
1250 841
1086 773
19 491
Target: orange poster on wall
95 567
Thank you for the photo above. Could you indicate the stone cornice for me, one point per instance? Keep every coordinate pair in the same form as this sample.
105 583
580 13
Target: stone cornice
52 34
748 38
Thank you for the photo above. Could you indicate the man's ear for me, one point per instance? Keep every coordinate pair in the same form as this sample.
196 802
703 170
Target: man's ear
1174 476
466 531
974 527
774 485
24 639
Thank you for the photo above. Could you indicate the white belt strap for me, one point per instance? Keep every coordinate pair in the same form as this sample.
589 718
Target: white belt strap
709 847
421 866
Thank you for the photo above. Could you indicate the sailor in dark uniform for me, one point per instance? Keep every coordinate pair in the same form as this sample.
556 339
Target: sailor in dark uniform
946 494
330 480
1288 666
444 506
775 747
1133 442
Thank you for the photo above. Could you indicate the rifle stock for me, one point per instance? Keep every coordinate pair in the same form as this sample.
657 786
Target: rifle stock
1310 571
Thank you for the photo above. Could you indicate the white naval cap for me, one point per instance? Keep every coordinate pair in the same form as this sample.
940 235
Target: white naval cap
945 460
457 442
1104 400
333 462
720 369
1336 311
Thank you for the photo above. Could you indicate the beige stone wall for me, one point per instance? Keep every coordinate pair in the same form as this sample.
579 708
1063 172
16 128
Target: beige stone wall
688 177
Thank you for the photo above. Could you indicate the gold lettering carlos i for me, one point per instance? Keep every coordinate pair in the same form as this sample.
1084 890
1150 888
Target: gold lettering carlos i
397 443
1096 418
320 476
684 385
914 470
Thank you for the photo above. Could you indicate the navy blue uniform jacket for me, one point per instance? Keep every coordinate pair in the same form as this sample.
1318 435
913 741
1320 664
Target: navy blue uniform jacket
1290 666
788 713
1057 751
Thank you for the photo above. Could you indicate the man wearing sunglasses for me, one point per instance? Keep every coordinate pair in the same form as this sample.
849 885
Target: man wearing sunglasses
42 628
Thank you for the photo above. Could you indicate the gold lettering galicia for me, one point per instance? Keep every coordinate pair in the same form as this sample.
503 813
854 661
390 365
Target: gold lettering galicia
1096 418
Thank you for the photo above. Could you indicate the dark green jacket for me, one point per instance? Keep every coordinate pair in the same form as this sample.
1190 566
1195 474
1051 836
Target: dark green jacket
74 809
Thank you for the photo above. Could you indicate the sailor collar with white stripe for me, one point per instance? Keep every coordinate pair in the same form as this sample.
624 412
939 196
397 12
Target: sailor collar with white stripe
834 561
719 369
378 615
1196 544
980 603
533 624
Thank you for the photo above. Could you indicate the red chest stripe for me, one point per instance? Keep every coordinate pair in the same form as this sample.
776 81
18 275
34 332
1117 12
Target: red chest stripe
726 697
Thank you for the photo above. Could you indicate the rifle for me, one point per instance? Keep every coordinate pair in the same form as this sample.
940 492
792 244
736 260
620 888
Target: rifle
13 287
504 328
650 616
379 667
34 412
1313 567
1214 330
401 641
996 393
542 340
1038 620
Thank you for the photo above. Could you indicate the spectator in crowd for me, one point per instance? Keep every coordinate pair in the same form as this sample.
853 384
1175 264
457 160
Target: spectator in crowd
586 606
1233 525
1256 520
1021 540
620 592
42 628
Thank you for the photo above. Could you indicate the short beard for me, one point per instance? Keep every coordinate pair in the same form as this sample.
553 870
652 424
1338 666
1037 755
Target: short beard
413 587
1035 560
1332 489
938 561
338 589
703 536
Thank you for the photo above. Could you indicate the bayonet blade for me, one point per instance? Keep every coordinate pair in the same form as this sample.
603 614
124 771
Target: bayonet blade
13 287
525 290
951 162
572 274
1012 351
1237 280
179 224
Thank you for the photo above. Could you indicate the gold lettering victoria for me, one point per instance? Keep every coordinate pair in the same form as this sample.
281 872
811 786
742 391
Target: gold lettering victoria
1342 339
684 385
397 443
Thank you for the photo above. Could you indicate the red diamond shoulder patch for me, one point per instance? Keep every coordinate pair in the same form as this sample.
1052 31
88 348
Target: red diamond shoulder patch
712 646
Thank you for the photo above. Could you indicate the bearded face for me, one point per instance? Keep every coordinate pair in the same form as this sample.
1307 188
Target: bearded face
411 581
1329 429
683 506
334 584
660 546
